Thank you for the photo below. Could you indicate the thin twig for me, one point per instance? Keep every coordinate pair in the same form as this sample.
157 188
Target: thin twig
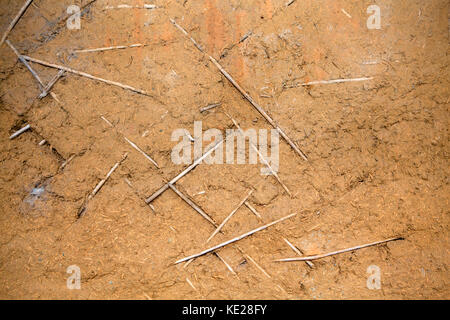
199 47
346 13
136 192
87 75
297 251
235 239
15 20
320 256
336 81
142 152
256 213
258 266
19 132
126 6
21 59
132 144
182 174
243 92
82 210
190 283
192 204
209 107
290 2
65 163
109 48
263 159
229 216
102 182
52 83
225 263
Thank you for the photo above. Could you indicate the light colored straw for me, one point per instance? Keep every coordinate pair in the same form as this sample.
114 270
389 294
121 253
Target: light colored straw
87 75
335 81
109 48
19 132
229 216
234 239
21 59
243 92
182 174
320 256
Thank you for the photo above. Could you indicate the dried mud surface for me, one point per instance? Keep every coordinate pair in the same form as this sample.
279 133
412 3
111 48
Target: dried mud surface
378 150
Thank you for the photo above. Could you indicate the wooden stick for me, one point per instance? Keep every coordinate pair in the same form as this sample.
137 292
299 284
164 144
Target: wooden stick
256 213
87 75
258 266
19 132
234 239
192 204
107 121
199 47
132 144
346 13
320 256
204 215
51 84
297 251
65 163
336 81
264 160
126 6
142 152
102 182
224 262
190 283
182 174
21 59
15 20
209 107
109 48
244 93
290 2
229 216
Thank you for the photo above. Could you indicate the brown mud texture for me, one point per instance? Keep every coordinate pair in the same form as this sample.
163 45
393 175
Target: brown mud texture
377 150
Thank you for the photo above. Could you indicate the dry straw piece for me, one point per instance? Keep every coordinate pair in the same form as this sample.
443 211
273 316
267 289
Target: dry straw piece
127 6
102 182
336 81
229 216
320 256
235 239
19 132
21 59
182 174
137 45
263 159
191 203
243 92
297 251
86 75
210 106
15 20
